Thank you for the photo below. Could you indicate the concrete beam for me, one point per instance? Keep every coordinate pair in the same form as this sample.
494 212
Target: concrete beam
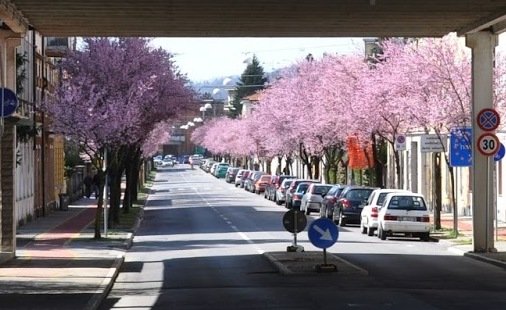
495 23
12 17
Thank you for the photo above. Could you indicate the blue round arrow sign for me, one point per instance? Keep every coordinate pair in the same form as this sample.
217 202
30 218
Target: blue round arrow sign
500 154
323 233
10 102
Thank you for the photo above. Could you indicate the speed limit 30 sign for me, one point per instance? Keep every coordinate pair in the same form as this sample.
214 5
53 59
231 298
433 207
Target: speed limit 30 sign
488 144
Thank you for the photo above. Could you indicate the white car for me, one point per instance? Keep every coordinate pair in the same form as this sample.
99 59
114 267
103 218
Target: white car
369 214
404 213
312 199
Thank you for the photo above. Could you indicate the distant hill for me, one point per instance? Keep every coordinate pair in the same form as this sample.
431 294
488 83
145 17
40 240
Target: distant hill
203 87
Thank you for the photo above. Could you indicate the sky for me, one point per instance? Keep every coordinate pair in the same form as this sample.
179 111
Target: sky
204 59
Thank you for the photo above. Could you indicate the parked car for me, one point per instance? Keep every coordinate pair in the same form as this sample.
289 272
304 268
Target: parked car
280 193
312 199
231 173
249 184
212 170
238 176
297 195
369 214
276 180
404 213
195 160
261 183
350 203
157 160
221 170
330 200
291 189
208 165
244 177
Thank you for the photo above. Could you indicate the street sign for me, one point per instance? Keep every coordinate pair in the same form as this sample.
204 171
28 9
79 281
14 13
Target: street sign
323 233
400 143
488 119
500 154
488 144
460 147
432 144
10 102
291 218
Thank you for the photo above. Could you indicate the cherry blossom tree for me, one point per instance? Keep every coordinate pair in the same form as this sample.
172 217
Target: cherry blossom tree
112 95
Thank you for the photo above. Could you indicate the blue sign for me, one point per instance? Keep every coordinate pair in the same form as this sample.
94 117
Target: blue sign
461 147
500 154
323 233
10 102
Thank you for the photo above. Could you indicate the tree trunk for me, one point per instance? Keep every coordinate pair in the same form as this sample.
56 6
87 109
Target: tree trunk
115 199
315 161
100 204
379 162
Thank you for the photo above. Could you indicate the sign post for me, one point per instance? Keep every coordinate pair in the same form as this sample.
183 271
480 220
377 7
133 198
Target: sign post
294 222
323 233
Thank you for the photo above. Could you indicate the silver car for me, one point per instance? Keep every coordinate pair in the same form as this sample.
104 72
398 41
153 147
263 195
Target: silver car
312 199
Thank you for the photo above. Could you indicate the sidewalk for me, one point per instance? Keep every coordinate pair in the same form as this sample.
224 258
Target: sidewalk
58 265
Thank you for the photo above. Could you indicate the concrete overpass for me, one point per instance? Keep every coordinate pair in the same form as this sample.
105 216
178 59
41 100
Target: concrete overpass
259 18
479 20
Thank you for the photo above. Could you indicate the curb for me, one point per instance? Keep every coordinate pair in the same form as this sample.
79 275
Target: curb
485 259
106 285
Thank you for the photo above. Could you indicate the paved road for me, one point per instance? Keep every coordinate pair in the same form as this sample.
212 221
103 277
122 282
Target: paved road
201 242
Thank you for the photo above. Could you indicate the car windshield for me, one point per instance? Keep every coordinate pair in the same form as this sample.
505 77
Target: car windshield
407 203
302 188
321 189
359 194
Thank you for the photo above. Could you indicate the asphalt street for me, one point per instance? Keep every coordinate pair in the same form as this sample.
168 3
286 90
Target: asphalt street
201 245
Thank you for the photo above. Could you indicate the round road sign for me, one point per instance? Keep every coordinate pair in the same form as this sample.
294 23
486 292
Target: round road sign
488 144
500 154
488 119
294 217
323 233
10 102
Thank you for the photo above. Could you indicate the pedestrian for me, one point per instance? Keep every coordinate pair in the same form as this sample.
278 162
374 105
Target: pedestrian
96 184
88 184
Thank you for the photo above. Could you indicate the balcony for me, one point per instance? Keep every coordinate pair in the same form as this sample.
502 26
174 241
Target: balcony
57 47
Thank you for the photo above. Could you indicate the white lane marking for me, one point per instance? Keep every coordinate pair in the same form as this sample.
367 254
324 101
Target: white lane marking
240 233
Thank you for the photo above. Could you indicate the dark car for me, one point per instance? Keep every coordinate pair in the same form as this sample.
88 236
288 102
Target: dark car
245 175
298 194
291 189
274 184
330 200
230 175
350 203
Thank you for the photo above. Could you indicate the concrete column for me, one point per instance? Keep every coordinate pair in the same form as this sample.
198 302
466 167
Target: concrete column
482 44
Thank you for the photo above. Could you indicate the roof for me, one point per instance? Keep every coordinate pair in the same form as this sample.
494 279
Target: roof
262 18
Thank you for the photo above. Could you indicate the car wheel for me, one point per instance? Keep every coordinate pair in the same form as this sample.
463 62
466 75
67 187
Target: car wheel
342 221
335 219
308 212
381 233
363 229
277 202
370 231
425 237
